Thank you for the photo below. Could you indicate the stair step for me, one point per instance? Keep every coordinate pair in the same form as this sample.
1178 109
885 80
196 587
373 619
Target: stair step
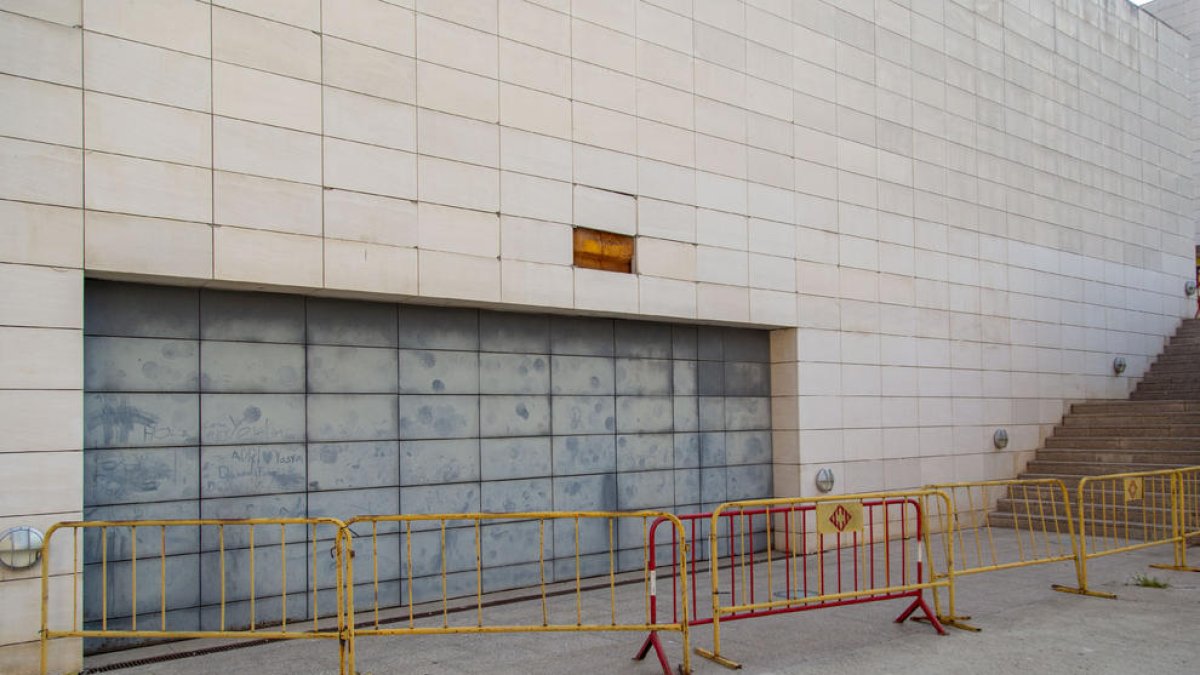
1180 362
1173 457
1126 407
1097 534
1168 355
1119 443
1107 420
1176 379
1174 368
1168 395
1153 510
1174 392
1038 466
1157 430
1182 348
1156 493
1164 383
1126 455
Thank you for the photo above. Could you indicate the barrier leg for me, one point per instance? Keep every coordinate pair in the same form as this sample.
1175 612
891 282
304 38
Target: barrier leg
1081 555
718 659
715 654
1180 564
1180 544
653 641
713 558
1082 589
950 620
930 616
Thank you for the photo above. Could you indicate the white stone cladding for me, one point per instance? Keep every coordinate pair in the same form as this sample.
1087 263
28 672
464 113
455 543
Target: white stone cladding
1184 16
954 212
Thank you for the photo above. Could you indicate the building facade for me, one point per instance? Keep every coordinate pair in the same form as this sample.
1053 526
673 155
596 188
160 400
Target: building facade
867 234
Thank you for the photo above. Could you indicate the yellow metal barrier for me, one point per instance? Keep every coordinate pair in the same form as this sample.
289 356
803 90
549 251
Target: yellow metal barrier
443 561
246 604
1038 516
819 552
1126 512
1189 505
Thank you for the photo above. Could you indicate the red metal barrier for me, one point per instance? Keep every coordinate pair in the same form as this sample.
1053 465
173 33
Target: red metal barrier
887 531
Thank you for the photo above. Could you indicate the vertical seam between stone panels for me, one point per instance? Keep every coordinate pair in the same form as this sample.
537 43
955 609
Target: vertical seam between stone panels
83 145
574 171
324 240
499 207
212 153
416 145
749 153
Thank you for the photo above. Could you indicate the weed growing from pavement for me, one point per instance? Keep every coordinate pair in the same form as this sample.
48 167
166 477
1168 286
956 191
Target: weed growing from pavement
1147 581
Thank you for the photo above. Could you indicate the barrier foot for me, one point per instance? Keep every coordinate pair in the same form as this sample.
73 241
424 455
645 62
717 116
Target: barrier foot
653 641
930 617
718 659
1083 591
959 622
1176 568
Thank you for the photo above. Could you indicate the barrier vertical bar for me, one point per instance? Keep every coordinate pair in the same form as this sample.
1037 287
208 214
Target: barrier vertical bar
162 577
478 576
44 633
409 558
104 578
542 567
375 566
283 572
133 577
253 618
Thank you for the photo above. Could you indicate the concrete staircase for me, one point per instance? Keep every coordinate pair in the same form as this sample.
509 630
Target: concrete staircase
1157 428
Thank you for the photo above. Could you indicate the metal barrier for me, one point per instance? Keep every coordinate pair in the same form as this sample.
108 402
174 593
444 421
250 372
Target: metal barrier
231 555
1130 511
862 539
1189 509
1038 512
455 553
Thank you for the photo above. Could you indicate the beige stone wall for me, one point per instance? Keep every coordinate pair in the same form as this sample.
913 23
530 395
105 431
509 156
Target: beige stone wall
1184 16
41 306
956 213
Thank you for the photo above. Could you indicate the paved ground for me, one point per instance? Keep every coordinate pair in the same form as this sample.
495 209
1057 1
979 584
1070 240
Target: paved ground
1026 627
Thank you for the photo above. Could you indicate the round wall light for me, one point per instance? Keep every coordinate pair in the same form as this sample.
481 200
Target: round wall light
20 547
1189 287
1119 365
1000 439
824 480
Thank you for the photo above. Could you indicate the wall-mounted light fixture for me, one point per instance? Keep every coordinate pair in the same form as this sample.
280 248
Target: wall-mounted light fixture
824 480
1000 439
1189 287
20 547
1119 365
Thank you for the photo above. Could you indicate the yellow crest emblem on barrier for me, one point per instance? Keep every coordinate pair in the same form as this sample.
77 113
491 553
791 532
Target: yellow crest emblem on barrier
839 517
1134 489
